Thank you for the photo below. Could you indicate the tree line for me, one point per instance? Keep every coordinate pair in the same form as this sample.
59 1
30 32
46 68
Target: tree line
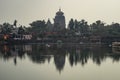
98 28
74 28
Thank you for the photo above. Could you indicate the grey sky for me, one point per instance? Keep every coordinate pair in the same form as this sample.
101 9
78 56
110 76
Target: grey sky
26 11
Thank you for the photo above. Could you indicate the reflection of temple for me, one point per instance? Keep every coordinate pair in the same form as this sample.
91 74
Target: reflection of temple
59 61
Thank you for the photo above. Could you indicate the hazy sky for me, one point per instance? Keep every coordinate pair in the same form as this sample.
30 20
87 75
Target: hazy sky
26 11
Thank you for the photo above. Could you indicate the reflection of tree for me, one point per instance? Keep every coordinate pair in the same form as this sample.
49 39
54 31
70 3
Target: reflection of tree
9 52
81 56
115 57
41 53
99 54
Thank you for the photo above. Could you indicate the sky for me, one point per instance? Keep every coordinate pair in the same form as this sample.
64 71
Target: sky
27 11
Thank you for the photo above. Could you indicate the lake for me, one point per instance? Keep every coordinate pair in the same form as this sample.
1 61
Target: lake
59 62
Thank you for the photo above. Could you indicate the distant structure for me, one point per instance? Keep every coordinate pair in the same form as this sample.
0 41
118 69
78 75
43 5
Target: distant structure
49 26
58 25
59 21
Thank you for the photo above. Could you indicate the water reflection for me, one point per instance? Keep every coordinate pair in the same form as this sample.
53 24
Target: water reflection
40 53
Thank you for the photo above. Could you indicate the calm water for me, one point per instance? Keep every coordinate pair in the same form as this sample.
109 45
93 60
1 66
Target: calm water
59 62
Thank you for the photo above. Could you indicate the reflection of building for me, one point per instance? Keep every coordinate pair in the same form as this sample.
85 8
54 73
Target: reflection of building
116 50
116 47
59 21
27 48
59 61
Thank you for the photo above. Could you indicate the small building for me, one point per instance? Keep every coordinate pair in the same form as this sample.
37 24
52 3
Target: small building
23 37
49 26
95 39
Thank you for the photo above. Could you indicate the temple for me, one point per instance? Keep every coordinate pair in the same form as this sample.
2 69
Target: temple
59 21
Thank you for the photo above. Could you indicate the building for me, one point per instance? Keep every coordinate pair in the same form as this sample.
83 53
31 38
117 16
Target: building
49 26
58 25
59 21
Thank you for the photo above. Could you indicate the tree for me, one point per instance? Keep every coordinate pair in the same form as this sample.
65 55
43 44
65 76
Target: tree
15 23
76 24
6 28
38 23
71 24
21 30
114 29
98 28
38 27
83 27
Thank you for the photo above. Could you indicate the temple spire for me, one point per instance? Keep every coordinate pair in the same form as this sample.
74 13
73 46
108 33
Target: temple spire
60 9
59 20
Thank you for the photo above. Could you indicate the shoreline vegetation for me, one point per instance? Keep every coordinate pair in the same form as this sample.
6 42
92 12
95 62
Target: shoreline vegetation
45 32
77 31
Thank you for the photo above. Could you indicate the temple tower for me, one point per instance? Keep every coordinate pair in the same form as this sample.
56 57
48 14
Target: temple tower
59 21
